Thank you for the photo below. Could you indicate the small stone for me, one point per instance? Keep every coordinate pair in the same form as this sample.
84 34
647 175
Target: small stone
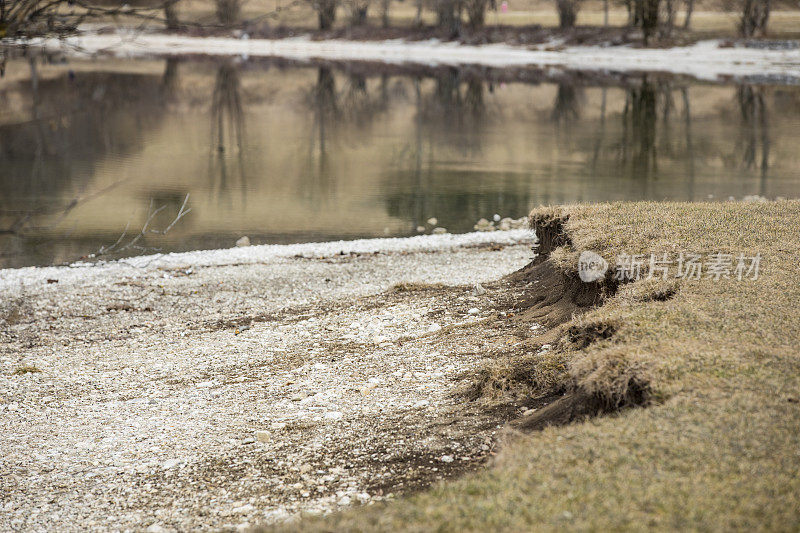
474 311
433 221
334 415
496 217
446 459
248 508
344 500
249 440
434 327
171 463
243 241
528 412
155 528
420 229
439 231
479 290
263 436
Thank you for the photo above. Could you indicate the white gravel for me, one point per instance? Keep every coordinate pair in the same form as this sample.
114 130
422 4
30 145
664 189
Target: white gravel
222 389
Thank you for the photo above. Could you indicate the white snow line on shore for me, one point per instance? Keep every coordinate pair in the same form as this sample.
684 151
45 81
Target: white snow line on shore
705 60
11 279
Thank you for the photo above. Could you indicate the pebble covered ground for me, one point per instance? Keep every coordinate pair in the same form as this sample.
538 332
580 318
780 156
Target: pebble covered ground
214 395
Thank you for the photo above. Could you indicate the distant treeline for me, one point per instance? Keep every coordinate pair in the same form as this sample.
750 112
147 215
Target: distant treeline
655 18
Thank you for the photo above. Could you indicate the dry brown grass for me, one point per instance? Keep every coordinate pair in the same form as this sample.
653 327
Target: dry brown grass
26 369
717 446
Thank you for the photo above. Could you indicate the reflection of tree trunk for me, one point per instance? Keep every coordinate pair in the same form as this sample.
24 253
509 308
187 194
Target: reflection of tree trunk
755 130
644 123
605 13
639 131
326 112
169 80
687 116
325 100
41 138
227 125
566 107
601 134
419 205
474 98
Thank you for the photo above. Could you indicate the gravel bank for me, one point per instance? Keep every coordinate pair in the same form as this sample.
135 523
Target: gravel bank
223 389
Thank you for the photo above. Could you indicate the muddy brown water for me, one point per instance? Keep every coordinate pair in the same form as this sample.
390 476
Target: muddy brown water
287 152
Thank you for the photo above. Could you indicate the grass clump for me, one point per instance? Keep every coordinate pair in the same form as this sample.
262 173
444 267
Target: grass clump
25 369
416 287
719 360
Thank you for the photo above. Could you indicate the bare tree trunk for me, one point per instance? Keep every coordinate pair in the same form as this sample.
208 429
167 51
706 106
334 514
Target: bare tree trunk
448 16
476 11
171 14
649 17
755 14
326 11
670 14
385 13
688 19
567 13
228 11
358 12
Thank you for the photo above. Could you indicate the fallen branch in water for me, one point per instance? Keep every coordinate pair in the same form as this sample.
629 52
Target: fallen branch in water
151 214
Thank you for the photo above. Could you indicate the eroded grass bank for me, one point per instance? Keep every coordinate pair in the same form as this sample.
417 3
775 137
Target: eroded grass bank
710 367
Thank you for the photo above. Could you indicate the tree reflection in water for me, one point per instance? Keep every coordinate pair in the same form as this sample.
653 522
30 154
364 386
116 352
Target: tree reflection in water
753 143
227 163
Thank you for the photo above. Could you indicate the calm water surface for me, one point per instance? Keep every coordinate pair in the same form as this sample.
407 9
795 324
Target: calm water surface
90 151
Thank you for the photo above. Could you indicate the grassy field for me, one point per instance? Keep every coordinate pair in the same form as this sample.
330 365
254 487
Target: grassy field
709 19
716 444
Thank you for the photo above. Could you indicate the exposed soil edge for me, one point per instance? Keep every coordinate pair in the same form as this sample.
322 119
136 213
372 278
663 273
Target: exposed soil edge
594 386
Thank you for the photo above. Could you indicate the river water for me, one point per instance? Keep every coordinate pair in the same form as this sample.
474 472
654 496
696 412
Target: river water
103 155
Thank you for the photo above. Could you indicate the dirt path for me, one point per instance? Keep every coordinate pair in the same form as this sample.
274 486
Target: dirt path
208 395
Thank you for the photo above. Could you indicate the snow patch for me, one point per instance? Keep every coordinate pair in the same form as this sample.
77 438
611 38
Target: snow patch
704 60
